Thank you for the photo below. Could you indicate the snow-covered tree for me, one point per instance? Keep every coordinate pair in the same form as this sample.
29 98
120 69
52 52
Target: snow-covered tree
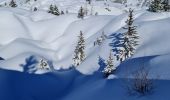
53 9
156 6
124 44
109 65
79 52
166 6
13 4
56 11
43 64
81 13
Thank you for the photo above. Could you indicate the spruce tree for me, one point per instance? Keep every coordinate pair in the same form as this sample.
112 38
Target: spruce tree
124 44
156 6
12 4
79 52
166 6
53 9
56 11
81 13
109 65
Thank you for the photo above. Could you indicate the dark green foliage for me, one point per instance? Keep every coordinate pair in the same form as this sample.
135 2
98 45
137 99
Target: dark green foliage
81 13
156 6
13 4
166 6
53 9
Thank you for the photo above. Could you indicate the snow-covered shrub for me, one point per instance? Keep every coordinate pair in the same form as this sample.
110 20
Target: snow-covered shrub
30 65
140 84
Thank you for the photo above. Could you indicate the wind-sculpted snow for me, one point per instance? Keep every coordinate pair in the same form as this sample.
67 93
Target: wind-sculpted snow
54 37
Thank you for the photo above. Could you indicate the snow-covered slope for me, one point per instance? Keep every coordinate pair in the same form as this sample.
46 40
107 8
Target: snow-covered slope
24 33
55 37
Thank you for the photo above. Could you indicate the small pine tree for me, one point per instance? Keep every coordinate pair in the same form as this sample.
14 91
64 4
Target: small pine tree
156 6
13 4
53 9
79 53
125 44
81 13
43 64
56 11
109 66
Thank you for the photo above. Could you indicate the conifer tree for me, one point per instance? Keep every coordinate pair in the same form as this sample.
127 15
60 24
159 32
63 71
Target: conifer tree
166 6
43 64
53 9
124 45
12 4
156 6
81 13
79 52
56 11
109 65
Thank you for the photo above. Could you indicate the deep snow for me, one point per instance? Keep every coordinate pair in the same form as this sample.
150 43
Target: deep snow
24 33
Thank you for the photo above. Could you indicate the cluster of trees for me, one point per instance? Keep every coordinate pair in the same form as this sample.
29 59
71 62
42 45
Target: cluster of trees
84 11
53 9
123 44
159 6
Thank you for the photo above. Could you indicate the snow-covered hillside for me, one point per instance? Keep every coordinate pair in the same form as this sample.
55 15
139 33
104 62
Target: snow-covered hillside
24 33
